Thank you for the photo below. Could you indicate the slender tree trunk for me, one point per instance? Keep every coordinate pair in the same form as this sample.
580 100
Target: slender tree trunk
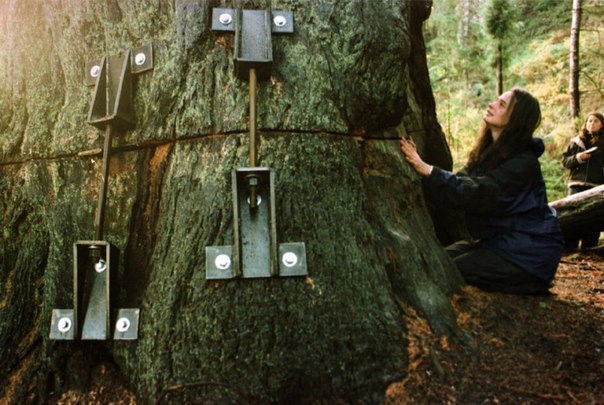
467 7
574 67
499 69
343 88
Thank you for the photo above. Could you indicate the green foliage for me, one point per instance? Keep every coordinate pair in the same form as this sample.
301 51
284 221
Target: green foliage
551 168
498 18
542 16
460 51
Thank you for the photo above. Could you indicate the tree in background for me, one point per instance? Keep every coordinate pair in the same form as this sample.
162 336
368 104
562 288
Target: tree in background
456 43
498 24
539 62
573 86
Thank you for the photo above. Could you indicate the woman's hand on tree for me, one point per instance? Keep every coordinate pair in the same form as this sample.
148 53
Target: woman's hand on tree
410 151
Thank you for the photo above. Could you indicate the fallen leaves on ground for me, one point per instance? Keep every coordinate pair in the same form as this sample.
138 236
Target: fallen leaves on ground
524 349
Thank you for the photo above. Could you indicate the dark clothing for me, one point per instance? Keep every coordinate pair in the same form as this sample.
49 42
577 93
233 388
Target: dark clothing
584 173
506 210
583 176
488 271
588 239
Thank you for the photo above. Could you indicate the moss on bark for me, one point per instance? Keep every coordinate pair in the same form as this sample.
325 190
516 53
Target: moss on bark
341 92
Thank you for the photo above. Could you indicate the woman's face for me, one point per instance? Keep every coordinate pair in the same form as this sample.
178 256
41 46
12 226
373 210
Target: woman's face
498 111
593 124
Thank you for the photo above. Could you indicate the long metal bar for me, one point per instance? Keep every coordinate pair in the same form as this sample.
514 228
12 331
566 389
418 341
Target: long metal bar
253 117
100 213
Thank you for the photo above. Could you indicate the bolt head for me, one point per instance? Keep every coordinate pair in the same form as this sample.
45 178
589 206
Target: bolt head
64 324
122 325
225 18
140 58
222 262
289 259
279 20
95 71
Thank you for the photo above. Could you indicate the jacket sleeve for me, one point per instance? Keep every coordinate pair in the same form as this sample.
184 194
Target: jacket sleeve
488 194
569 157
600 144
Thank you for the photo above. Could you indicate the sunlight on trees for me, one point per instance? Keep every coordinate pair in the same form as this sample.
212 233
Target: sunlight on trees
461 55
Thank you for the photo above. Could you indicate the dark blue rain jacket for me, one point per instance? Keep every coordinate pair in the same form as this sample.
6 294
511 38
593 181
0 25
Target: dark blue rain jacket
506 210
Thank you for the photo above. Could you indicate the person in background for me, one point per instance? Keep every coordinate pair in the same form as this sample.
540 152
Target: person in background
516 240
584 158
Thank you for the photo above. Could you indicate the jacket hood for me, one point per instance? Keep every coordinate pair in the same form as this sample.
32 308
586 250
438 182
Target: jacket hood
537 146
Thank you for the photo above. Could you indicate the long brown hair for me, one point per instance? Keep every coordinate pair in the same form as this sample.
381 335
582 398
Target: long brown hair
583 132
516 137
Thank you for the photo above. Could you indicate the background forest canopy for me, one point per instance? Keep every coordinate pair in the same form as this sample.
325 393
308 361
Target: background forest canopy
462 62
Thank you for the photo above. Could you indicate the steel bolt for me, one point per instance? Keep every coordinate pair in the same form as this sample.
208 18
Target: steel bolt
289 259
225 19
122 324
280 21
222 262
100 266
258 200
64 324
95 71
140 58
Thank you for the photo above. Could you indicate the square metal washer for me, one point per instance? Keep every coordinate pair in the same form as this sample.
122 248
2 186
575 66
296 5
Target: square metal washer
62 325
292 259
126 324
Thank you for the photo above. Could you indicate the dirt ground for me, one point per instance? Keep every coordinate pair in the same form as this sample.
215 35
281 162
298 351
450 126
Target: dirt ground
521 350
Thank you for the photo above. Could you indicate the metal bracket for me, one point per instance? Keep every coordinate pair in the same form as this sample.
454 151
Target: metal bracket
254 216
254 253
90 318
111 77
111 108
253 41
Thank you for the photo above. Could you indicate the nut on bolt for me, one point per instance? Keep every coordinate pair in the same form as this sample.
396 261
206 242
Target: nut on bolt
253 181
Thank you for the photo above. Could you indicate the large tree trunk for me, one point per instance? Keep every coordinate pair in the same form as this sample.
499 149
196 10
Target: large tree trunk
345 86
574 69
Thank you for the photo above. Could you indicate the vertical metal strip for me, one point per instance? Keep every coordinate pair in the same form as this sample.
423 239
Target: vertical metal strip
100 214
252 117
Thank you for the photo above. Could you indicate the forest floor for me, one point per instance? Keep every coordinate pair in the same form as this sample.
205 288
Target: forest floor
521 350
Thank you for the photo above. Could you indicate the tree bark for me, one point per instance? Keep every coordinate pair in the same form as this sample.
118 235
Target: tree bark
344 87
499 69
574 68
581 212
